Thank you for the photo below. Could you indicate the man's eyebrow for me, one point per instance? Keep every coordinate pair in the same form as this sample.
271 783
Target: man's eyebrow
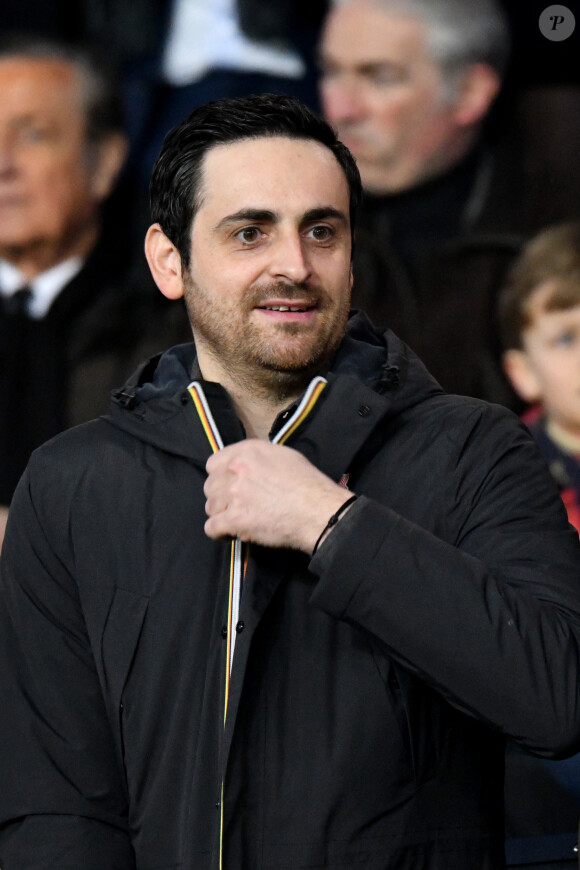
251 215
374 67
264 215
324 212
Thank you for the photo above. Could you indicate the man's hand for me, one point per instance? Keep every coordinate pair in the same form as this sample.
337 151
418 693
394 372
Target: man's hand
268 494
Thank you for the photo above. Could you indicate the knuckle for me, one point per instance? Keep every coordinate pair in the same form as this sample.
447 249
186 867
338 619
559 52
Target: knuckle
239 467
236 491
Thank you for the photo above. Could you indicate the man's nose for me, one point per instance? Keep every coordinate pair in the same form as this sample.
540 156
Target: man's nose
342 99
290 259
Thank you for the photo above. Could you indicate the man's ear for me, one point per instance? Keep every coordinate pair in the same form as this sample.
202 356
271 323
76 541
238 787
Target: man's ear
479 88
106 164
521 373
164 262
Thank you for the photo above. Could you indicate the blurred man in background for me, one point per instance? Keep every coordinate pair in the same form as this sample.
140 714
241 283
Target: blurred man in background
68 278
410 86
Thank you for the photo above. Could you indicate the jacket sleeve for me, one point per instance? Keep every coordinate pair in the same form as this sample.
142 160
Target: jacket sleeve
489 614
62 799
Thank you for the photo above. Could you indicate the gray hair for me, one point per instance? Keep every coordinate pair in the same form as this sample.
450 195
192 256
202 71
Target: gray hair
460 33
100 91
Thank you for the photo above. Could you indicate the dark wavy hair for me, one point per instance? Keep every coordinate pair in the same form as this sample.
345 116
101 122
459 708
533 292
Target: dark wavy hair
177 173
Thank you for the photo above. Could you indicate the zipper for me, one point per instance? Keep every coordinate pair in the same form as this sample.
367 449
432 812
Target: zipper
239 552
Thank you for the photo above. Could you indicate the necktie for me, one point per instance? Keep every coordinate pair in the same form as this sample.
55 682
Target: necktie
17 303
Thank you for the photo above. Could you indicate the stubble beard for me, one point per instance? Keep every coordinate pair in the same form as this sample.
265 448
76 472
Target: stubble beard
257 360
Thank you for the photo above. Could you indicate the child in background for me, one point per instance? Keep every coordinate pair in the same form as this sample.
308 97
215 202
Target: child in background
539 314
539 311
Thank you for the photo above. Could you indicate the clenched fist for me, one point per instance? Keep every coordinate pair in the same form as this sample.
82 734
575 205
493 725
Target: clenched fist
268 494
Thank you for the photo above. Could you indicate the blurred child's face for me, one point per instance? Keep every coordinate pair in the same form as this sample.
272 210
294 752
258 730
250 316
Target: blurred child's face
547 370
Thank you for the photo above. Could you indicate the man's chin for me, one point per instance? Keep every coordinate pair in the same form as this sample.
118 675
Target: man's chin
290 360
287 367
284 383
294 371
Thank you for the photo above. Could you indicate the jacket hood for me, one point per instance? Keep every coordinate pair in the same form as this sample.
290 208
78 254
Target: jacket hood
152 403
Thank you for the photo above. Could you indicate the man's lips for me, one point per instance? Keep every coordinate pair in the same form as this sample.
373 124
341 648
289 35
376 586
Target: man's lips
287 307
287 312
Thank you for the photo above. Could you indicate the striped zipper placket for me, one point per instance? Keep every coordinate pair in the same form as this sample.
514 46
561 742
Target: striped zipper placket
309 399
239 552
238 558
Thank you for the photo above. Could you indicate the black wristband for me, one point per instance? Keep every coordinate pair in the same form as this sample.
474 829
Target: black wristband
333 521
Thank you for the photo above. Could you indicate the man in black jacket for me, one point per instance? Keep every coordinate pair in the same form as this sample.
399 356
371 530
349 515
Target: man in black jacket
290 599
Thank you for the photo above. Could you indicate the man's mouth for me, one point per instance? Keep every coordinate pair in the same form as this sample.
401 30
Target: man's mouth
292 308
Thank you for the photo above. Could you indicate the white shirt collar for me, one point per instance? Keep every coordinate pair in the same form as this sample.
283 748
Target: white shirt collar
45 287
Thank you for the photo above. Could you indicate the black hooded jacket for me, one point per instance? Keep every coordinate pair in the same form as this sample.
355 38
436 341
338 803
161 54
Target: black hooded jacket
373 686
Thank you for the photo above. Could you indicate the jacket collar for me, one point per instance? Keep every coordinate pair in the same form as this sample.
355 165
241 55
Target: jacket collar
372 377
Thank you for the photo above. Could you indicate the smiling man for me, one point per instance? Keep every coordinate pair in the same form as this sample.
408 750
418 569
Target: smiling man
273 313
292 598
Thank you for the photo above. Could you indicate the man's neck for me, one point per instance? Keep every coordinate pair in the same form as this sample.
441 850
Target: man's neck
257 403
256 416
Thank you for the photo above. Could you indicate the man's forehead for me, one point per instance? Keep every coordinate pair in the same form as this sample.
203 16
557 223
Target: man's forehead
270 171
24 67
42 84
362 32
249 150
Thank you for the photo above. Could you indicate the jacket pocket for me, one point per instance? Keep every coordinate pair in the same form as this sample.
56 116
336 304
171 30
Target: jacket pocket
119 644
409 700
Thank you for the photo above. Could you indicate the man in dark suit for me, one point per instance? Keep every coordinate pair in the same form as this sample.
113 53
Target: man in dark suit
68 277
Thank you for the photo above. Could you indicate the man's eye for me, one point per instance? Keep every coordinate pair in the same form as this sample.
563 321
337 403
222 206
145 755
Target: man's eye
248 235
565 339
386 78
321 233
33 134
